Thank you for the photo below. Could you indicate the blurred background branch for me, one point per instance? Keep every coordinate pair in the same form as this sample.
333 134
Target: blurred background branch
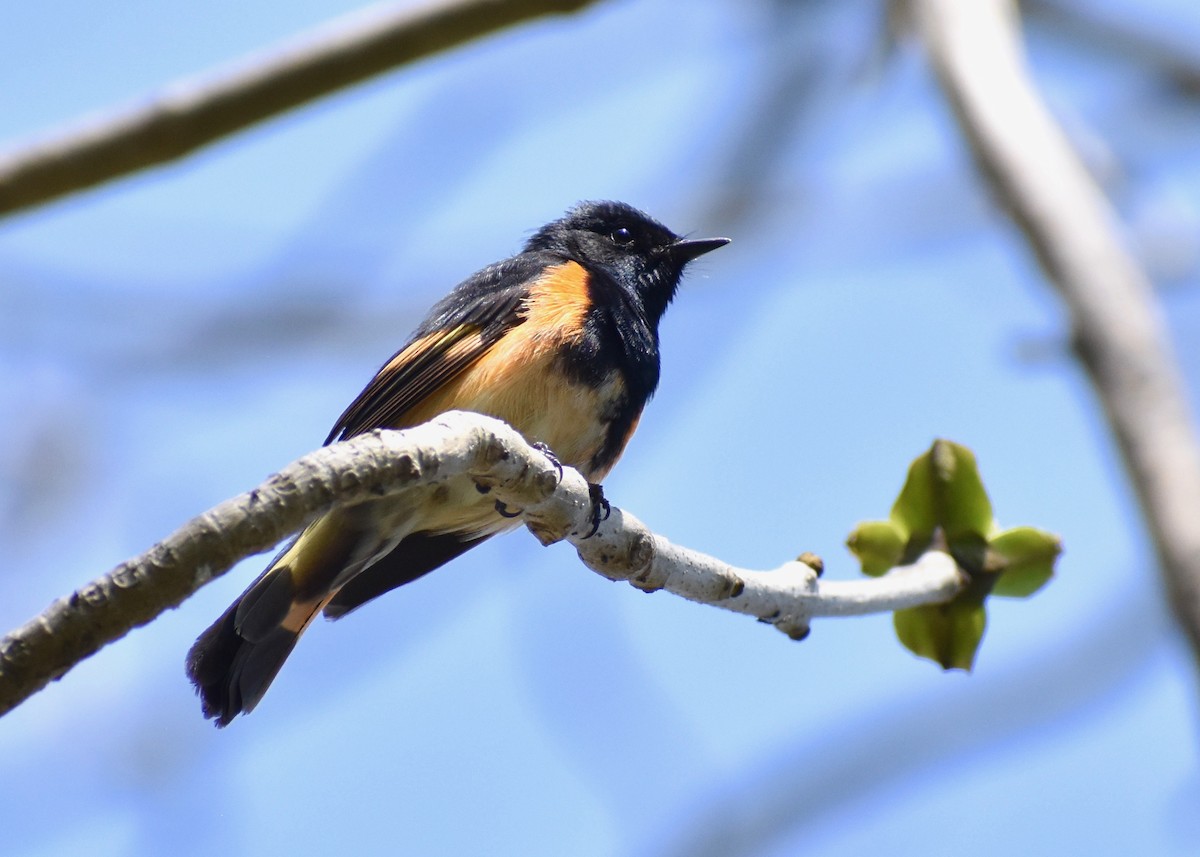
1123 36
1117 328
189 114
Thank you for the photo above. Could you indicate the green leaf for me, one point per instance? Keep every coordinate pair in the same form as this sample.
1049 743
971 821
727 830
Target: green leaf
915 510
879 545
961 500
943 504
946 633
1024 558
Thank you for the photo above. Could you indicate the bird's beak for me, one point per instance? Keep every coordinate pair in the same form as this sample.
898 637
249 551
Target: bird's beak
685 250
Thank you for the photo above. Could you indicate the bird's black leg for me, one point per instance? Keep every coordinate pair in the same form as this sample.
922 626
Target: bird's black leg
600 507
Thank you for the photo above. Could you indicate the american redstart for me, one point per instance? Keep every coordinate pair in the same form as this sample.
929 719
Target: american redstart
560 341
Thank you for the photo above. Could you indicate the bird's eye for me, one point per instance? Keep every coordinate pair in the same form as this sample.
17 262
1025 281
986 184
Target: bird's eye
622 237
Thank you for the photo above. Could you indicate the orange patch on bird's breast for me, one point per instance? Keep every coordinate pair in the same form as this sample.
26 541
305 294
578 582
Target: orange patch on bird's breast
558 303
521 380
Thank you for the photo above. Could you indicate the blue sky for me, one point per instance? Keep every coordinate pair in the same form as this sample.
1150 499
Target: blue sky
168 340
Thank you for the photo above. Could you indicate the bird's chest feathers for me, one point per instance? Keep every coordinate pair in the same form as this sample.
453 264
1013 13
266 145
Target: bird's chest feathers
534 392
552 379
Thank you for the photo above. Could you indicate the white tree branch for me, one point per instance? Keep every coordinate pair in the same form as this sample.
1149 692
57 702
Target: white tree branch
191 113
455 446
1119 334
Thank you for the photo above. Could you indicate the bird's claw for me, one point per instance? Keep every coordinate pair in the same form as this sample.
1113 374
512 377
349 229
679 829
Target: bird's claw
600 508
506 512
545 450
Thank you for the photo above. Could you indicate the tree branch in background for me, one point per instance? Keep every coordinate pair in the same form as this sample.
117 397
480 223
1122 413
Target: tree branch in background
1128 35
1118 333
456 445
192 113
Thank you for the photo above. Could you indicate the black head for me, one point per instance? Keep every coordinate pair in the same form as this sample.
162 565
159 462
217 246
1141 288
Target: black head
639 253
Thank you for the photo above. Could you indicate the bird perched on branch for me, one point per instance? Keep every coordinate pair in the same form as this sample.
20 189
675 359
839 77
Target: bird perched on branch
560 341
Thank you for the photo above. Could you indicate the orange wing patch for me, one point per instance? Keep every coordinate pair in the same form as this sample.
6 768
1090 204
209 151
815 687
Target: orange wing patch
434 345
416 372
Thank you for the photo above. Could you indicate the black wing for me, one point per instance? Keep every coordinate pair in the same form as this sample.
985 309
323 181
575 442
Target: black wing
458 331
416 556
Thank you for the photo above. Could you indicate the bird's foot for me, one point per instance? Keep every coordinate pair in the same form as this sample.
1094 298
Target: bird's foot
600 507
545 450
506 512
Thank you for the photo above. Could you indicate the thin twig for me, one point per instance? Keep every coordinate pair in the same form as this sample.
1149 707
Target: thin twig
1119 334
454 446
191 113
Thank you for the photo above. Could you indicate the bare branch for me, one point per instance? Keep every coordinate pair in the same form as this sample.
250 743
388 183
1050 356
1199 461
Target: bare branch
456 445
192 113
1118 333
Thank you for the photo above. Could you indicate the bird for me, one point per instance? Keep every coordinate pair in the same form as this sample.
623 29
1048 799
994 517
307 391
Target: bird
560 341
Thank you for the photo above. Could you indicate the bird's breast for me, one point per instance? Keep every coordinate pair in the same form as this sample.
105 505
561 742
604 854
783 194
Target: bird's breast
524 381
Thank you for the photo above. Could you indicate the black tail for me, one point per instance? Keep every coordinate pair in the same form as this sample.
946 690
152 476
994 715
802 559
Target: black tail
235 660
231 673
